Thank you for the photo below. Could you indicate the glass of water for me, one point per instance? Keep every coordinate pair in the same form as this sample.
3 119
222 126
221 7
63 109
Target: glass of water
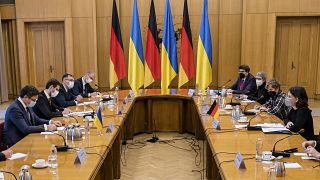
53 163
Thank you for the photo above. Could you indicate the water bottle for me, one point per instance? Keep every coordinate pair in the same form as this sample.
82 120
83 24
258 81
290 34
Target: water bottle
87 124
208 99
233 114
116 95
259 150
52 158
223 91
25 174
237 113
222 102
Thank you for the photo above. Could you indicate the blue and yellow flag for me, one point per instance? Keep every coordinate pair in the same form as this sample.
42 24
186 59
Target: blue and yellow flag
204 56
169 65
98 123
136 59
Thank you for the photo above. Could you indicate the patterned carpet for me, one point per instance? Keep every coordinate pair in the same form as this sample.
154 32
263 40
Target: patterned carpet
167 159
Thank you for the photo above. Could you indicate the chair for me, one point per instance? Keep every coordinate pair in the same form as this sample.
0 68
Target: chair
2 144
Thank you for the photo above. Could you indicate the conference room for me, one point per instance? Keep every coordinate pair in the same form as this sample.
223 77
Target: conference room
159 89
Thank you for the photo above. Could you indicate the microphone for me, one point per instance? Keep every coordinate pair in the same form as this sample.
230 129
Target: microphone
74 118
97 90
253 128
92 111
234 103
284 153
224 84
63 147
245 108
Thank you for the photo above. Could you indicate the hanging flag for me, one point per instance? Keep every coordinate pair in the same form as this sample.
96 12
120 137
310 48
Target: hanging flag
204 56
117 68
169 65
214 110
136 60
186 68
152 66
98 123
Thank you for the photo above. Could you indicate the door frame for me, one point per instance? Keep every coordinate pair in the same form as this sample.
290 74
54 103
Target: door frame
23 60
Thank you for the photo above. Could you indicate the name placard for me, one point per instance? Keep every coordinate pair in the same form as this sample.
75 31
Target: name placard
81 157
110 127
216 124
173 91
239 162
131 94
191 92
121 110
125 100
204 109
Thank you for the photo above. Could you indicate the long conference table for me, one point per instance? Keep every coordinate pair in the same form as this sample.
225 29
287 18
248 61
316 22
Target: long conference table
144 114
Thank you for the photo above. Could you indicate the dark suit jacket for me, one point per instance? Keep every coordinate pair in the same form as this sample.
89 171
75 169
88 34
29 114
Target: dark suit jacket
249 87
261 95
64 98
17 123
46 109
78 88
2 157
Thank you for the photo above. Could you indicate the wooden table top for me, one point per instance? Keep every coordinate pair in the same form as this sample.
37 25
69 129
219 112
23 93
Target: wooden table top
37 146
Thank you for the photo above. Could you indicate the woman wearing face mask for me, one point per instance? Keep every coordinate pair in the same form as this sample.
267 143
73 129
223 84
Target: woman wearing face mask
45 108
276 103
299 116
261 96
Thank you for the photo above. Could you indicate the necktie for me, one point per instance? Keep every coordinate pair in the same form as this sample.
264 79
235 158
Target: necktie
241 85
30 117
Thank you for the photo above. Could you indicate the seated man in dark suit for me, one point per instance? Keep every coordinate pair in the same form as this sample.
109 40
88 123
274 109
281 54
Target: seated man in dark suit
246 83
45 108
65 98
82 86
20 120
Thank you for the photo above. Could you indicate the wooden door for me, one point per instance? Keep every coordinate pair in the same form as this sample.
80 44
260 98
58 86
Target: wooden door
296 52
45 52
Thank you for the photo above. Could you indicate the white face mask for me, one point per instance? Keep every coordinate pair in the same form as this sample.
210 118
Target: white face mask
32 103
55 93
259 82
89 80
70 85
288 102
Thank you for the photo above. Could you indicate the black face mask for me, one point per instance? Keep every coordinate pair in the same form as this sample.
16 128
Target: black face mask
241 75
272 93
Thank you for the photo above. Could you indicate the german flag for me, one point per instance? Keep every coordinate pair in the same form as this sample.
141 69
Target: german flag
186 68
117 68
153 62
214 110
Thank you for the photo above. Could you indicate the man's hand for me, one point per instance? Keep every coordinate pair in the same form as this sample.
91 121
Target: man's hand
52 127
308 143
7 153
289 124
66 111
79 98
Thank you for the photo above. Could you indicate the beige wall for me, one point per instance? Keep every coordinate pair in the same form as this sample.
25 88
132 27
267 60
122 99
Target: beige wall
243 31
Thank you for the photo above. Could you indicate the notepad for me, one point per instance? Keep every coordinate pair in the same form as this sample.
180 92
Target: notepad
60 128
247 101
1 176
17 156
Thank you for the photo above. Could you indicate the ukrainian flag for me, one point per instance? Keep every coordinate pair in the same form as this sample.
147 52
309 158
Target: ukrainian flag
136 59
169 65
204 56
98 123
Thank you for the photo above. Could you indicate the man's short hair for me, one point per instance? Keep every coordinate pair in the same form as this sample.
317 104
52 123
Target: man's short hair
66 75
53 82
245 67
29 91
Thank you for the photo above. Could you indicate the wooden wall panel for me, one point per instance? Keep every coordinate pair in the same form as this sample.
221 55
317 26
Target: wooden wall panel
83 46
43 8
254 6
8 11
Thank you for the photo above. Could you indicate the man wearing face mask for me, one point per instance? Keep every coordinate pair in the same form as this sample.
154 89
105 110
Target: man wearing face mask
45 107
20 120
65 98
246 83
261 95
276 104
82 86
299 116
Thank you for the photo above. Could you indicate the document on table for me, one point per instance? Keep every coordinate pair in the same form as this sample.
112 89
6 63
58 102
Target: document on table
49 133
281 130
291 165
247 101
17 156
253 110
80 113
